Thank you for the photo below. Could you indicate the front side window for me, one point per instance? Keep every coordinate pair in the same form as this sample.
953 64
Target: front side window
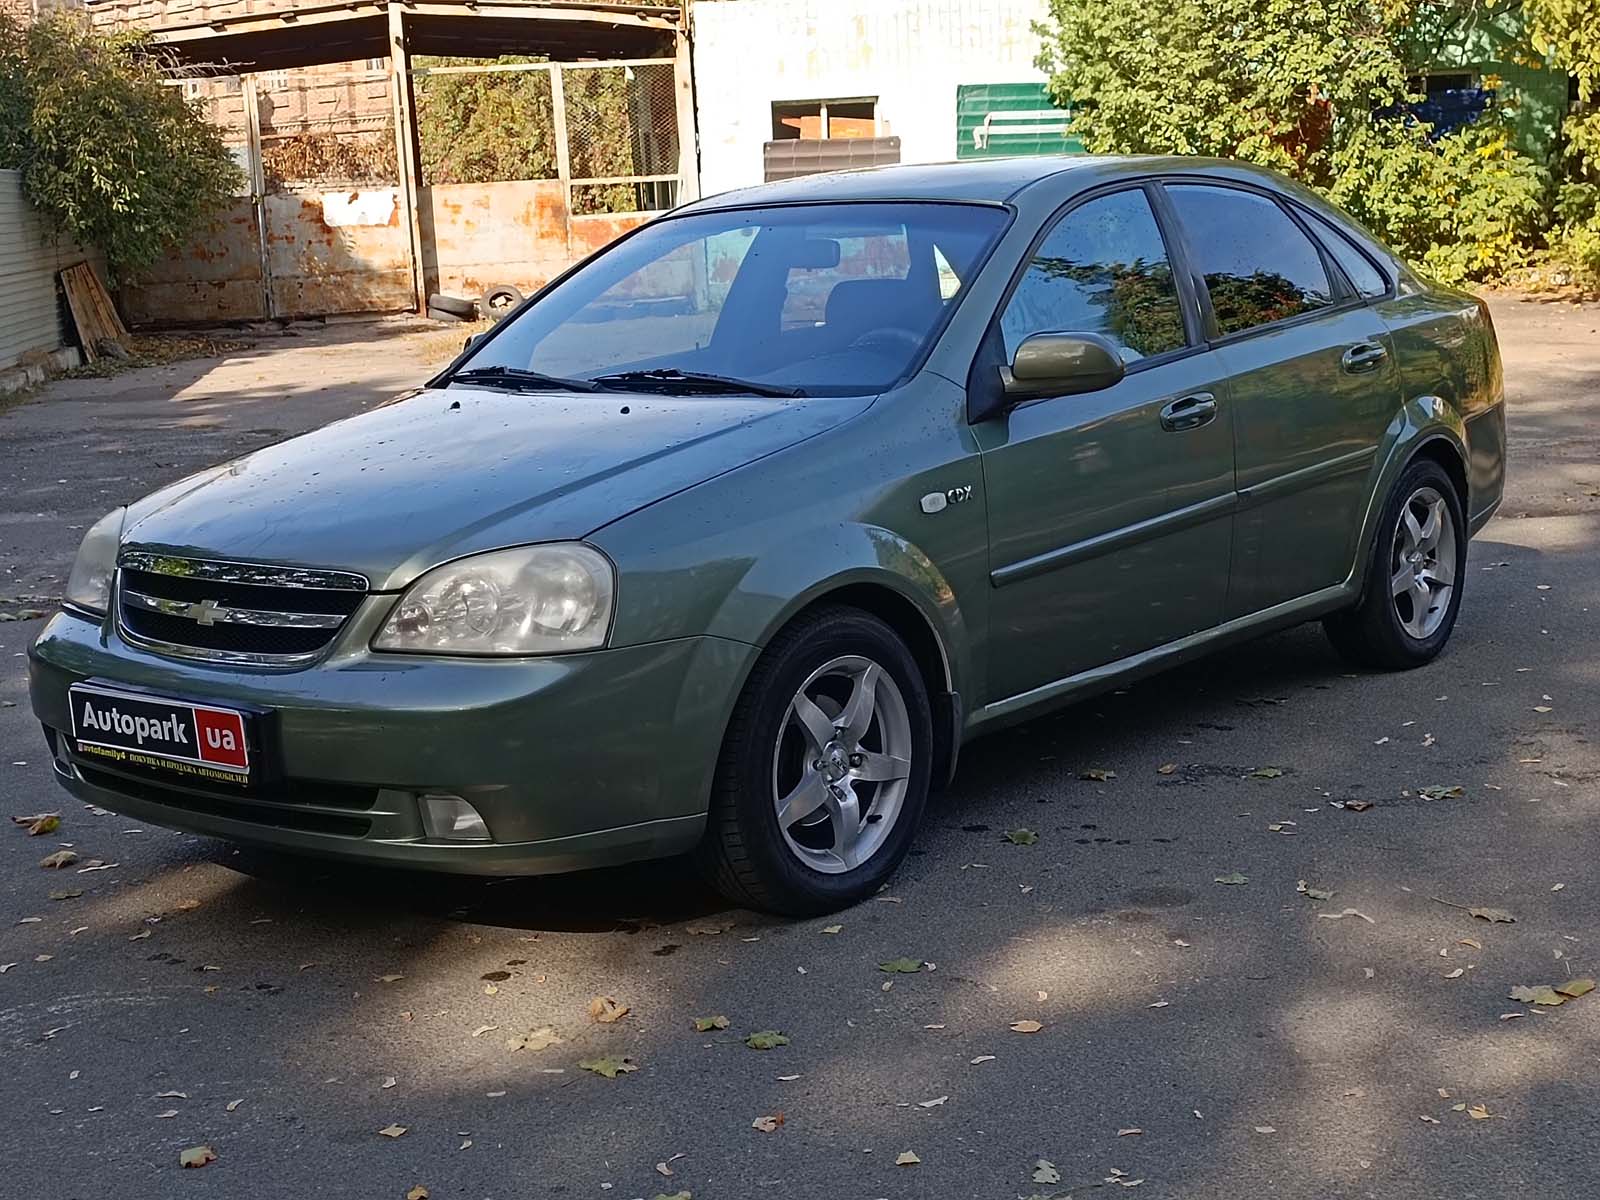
1103 269
829 299
1259 266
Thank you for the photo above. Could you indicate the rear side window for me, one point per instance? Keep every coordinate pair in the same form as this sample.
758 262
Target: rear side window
1103 269
1259 266
1368 280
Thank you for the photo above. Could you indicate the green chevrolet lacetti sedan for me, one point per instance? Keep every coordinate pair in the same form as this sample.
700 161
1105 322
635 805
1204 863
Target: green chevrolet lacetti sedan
729 538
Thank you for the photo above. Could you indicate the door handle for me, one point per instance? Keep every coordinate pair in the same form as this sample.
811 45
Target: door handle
1363 356
1188 412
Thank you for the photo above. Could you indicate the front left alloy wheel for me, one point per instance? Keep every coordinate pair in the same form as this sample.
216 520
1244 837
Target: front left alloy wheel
824 770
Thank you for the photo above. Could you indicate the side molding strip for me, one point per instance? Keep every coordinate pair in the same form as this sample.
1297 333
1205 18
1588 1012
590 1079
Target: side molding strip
1116 539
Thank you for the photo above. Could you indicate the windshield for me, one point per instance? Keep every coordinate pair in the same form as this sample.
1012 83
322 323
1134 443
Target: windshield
821 299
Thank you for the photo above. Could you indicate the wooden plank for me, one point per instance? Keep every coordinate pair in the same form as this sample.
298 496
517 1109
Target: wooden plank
407 152
92 311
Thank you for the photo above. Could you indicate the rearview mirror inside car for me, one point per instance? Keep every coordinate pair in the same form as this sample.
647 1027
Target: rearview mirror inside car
1062 364
815 254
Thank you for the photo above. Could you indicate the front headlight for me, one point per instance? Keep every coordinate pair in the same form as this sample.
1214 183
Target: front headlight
89 585
548 599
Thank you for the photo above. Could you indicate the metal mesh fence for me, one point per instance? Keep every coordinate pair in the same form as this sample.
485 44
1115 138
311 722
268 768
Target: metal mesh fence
622 137
483 126
327 127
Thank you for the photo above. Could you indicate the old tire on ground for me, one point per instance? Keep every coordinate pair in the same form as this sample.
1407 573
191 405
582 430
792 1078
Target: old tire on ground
824 770
498 300
444 314
1415 571
464 310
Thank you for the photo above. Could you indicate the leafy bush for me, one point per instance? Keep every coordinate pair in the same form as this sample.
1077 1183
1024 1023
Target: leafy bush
109 154
1319 89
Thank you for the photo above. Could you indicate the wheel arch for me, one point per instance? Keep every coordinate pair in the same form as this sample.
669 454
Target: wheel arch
1426 428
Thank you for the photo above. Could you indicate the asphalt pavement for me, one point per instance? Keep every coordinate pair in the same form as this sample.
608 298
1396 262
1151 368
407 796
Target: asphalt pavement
1142 996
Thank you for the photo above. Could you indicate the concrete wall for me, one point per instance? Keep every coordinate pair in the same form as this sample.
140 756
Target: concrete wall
909 54
30 257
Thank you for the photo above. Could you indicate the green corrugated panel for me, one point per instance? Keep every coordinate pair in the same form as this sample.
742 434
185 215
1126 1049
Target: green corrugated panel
995 120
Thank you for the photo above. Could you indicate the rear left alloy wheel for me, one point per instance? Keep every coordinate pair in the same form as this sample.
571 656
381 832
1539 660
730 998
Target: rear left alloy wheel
824 770
1414 576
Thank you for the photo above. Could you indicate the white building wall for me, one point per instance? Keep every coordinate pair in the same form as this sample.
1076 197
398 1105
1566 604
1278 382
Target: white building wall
910 54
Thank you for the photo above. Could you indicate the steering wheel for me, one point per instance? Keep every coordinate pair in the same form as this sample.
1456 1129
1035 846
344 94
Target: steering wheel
889 334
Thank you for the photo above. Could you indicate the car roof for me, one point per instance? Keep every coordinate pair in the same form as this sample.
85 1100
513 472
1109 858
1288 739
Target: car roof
994 180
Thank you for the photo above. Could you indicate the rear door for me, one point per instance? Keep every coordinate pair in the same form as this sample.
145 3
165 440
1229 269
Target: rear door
1109 512
1312 381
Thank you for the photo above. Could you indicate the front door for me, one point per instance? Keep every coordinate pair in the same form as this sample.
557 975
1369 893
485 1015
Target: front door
1313 383
1109 513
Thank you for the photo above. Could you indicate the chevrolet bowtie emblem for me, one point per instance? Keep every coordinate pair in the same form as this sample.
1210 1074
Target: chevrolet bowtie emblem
205 612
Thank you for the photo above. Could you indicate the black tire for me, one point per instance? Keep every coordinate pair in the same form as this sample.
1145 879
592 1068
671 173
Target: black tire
498 300
745 853
444 314
1374 633
466 310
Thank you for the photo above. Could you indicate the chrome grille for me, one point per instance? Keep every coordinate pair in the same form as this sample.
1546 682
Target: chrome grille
248 613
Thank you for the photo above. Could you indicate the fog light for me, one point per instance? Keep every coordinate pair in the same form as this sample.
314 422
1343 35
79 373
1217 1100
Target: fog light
452 818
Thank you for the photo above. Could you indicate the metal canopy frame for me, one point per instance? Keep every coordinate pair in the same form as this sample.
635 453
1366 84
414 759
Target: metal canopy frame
566 31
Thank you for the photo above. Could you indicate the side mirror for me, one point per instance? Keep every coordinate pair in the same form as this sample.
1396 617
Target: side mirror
1062 364
470 342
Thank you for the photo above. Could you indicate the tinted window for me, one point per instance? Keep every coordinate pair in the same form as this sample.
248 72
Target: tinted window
1102 269
1257 263
1368 280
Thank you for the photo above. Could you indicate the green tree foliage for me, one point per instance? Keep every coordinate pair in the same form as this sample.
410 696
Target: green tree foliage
109 154
1317 89
477 128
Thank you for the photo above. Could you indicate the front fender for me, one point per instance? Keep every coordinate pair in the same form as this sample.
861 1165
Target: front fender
856 556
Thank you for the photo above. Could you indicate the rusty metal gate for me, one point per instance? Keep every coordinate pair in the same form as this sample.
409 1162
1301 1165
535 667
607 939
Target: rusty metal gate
326 228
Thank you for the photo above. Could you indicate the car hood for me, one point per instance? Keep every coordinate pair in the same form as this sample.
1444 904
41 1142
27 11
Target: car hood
446 472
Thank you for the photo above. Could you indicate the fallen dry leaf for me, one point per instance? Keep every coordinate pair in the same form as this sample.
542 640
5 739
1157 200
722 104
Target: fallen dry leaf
197 1156
1021 837
392 1131
1539 994
61 858
707 1024
483 1029
1312 893
709 928
1456 974
1265 1129
606 1009
1493 915
389 1082
390 978
1512 1016
1044 1171
1357 805
766 1039
609 1066
1233 878
768 1124
233 1105
832 928
39 823
1449 792
1574 988
1478 1112
906 1159
934 1103
1429 1120
1098 775
1026 1027
1349 912
418 1193
1166 768
901 966
536 1039
982 1058
1267 773
1134 1132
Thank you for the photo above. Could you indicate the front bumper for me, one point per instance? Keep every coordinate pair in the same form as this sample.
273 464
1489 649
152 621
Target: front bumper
572 761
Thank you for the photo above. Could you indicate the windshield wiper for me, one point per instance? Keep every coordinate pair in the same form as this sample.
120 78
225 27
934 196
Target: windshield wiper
697 381
521 378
